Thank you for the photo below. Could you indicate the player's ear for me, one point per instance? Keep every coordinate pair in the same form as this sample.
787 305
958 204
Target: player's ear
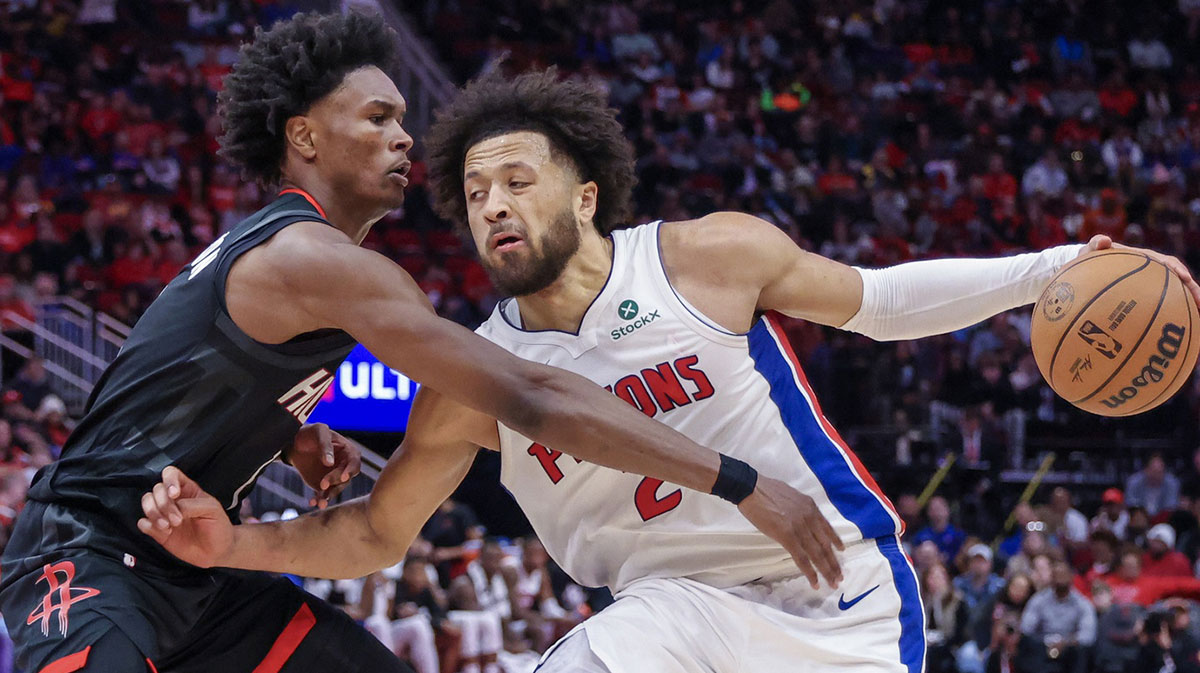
585 201
298 134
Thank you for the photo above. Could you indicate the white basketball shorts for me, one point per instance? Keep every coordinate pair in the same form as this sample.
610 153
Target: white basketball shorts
873 622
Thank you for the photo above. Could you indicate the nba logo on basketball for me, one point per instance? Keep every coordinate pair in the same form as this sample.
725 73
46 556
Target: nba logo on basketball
1100 340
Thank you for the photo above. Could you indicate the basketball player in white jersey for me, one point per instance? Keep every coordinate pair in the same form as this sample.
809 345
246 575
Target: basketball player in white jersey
678 319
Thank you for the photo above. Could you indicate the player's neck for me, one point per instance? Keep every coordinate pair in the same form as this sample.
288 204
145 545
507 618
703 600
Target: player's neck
562 305
352 219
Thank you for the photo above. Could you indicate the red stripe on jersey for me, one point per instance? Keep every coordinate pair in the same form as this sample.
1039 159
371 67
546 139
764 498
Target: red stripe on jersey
773 323
307 197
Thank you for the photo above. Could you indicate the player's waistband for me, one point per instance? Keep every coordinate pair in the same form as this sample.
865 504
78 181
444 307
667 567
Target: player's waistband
47 530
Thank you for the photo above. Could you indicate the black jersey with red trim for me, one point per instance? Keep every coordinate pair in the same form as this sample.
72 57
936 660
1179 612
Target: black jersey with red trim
190 389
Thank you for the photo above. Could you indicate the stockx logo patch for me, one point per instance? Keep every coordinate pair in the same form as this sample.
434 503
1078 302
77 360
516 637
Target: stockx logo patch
630 311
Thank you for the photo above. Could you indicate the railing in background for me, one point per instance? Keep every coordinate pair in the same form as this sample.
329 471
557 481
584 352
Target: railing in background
76 344
64 335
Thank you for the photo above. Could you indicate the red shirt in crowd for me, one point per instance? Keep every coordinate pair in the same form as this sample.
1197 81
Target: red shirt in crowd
18 306
999 185
126 271
832 183
1099 222
1170 564
98 122
16 234
1147 591
1118 100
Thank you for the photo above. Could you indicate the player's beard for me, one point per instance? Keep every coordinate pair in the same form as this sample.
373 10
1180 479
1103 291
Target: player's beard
538 266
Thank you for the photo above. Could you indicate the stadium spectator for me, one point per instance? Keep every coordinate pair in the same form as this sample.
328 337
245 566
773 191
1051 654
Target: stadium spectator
1117 646
945 619
1112 516
945 535
1064 521
1160 558
1059 626
1166 643
1153 488
978 585
1129 585
455 534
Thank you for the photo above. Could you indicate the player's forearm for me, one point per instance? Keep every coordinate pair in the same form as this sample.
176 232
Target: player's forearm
577 417
335 543
929 297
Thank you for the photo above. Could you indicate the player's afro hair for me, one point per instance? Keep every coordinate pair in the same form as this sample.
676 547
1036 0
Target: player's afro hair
574 116
284 71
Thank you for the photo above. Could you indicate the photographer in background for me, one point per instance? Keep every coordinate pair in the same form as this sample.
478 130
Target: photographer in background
1166 644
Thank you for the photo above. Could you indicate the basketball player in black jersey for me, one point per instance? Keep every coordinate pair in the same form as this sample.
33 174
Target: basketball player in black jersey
229 361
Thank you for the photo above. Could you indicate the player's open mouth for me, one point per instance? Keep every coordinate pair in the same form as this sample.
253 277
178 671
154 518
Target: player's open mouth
400 174
505 241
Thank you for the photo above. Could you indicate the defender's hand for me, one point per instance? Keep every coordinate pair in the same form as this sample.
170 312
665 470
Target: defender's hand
794 520
186 520
325 460
1102 242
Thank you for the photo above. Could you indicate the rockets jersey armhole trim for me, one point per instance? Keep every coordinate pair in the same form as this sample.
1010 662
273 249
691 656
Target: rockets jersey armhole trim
312 343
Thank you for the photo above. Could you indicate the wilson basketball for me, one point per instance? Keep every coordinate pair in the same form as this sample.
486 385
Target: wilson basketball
1114 333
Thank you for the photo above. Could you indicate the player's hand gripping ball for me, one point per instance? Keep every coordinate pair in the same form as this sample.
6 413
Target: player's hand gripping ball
1114 333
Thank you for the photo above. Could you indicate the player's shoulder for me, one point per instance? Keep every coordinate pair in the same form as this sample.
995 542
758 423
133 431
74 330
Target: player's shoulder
721 231
305 252
721 239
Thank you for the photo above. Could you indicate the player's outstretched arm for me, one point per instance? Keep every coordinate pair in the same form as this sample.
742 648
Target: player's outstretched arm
338 284
346 541
764 270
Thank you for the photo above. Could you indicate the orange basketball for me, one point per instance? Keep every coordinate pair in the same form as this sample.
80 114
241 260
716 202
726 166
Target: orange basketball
1114 333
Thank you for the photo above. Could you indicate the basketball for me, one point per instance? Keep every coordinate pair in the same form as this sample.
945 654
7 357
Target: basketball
1114 333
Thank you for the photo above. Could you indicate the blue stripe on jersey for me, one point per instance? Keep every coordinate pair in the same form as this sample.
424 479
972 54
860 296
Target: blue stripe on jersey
853 500
912 613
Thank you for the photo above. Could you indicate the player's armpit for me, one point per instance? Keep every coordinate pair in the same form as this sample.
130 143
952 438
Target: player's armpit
731 266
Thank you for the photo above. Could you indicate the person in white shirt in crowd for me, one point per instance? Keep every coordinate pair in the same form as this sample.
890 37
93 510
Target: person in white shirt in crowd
1046 177
479 606
1072 524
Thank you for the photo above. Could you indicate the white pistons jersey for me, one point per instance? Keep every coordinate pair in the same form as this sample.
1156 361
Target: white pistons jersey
740 394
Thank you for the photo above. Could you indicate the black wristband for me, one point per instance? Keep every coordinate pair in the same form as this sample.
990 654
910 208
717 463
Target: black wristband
735 480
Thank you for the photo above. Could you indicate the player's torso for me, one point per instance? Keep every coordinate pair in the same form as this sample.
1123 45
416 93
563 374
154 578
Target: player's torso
645 344
191 389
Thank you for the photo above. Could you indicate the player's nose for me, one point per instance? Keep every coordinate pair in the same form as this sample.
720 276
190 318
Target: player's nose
496 208
402 141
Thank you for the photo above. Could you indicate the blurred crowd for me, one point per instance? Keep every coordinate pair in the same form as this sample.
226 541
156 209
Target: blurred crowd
872 131
464 602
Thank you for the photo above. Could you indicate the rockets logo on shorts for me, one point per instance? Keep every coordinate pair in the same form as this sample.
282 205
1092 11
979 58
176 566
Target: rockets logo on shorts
60 596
